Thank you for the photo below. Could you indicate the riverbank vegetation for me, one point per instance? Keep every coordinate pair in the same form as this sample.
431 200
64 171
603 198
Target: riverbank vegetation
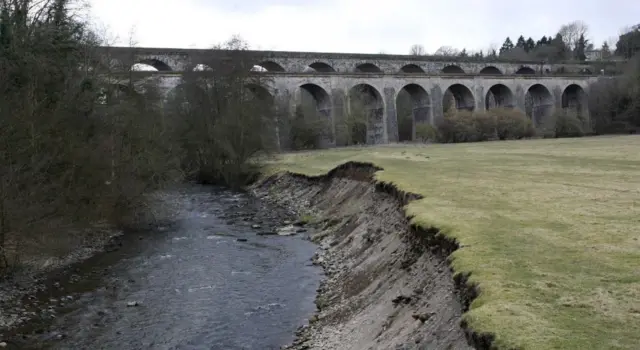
547 229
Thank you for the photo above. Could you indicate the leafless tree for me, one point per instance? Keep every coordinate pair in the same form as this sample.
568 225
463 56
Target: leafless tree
571 33
417 50
447 51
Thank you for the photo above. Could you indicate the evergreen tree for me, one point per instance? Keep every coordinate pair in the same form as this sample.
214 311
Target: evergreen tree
530 45
606 51
581 47
521 43
506 46
463 53
561 49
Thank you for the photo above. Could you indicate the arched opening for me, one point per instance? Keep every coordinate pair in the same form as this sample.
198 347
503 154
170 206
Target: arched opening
368 68
413 108
320 67
538 104
452 69
526 70
267 66
364 119
412 68
311 126
574 99
491 70
151 65
499 96
186 101
458 97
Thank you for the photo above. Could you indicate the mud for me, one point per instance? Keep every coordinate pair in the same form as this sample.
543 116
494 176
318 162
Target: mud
388 285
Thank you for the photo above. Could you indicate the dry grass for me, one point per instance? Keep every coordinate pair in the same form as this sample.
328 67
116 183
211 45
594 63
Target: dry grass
549 230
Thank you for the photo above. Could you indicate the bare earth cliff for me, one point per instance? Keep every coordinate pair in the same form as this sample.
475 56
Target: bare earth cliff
388 285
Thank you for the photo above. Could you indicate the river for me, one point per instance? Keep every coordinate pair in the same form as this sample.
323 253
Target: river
207 281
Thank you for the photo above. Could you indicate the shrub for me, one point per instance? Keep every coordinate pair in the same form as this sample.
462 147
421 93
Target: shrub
512 124
567 124
426 132
499 123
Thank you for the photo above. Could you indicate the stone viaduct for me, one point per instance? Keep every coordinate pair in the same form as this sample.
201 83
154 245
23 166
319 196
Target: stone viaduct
331 79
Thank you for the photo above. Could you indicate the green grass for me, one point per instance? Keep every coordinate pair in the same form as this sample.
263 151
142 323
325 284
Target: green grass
550 230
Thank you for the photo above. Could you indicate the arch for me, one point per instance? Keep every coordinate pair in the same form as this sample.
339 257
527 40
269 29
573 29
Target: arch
452 69
490 70
499 96
538 104
574 98
321 67
319 96
151 64
267 66
411 68
458 96
525 70
365 112
260 92
413 107
368 68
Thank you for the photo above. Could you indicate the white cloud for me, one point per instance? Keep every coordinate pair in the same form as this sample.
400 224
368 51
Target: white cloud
354 25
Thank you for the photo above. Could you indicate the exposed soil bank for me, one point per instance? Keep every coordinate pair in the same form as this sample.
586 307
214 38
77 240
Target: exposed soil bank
388 285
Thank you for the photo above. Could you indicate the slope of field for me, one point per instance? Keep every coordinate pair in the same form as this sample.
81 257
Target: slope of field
549 230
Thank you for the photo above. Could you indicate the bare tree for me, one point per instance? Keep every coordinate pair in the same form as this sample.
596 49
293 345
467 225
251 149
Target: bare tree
447 51
572 32
417 50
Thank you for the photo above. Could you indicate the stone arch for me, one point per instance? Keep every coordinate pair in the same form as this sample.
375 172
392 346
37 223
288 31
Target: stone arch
321 67
413 107
368 68
458 96
526 70
499 96
490 70
260 92
181 99
412 68
151 64
319 98
574 99
452 69
365 112
539 104
267 66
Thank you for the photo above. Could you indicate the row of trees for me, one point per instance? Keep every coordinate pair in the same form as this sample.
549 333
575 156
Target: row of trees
571 42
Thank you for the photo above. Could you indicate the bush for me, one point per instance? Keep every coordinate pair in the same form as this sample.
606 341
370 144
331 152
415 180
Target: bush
307 132
512 124
567 124
499 123
426 132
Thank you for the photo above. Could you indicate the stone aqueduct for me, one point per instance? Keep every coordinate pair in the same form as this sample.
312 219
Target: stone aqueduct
533 87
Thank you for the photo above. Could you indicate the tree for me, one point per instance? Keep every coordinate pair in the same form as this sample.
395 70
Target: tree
506 46
581 47
561 51
571 33
629 42
530 45
446 51
463 53
521 42
606 51
417 50
542 41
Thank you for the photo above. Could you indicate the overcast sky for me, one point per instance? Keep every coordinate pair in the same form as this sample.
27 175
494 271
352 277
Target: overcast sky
367 26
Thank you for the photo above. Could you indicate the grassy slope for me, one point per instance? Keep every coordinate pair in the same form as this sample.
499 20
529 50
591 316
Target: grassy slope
550 230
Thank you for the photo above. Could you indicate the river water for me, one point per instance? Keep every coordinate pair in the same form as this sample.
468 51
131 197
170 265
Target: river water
207 281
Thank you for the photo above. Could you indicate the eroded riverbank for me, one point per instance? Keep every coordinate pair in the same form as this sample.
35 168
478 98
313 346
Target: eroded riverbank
388 286
216 278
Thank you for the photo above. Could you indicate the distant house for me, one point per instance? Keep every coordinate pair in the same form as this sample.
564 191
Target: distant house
593 55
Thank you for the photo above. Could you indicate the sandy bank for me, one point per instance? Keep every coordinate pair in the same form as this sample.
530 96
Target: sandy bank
388 285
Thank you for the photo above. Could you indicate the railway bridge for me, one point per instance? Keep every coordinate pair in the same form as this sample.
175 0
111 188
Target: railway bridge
330 80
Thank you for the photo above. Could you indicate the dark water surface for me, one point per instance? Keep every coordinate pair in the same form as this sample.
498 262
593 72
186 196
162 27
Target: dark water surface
197 286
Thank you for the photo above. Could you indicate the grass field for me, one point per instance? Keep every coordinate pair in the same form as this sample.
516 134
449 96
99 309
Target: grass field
550 230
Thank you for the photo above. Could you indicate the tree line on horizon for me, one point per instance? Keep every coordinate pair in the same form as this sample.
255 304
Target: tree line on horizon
570 43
